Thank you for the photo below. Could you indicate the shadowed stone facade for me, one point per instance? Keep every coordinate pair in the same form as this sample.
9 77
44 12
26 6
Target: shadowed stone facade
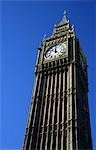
59 114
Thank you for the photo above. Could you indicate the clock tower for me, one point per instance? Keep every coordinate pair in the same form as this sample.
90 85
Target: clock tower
59 113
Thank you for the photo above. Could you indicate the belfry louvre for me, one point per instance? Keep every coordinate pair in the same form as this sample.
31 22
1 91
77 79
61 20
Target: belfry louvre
59 113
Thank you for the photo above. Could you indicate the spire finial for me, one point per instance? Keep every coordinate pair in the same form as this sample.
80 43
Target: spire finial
40 45
55 25
64 18
72 27
44 37
65 12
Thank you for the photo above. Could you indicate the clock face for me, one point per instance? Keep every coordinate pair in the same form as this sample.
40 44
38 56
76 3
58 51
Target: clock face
55 51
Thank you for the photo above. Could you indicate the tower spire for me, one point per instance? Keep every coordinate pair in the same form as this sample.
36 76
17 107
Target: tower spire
64 19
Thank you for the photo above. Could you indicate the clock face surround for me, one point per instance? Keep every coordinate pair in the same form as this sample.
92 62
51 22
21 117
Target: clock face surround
55 51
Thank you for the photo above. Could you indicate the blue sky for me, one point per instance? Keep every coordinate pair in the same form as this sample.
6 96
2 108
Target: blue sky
23 25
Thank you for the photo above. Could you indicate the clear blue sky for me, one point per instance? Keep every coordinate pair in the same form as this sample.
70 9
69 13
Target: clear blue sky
23 27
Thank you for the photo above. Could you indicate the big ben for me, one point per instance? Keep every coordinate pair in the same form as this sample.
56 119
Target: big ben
59 113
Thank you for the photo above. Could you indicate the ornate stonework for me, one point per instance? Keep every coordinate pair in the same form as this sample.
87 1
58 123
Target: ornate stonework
59 114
